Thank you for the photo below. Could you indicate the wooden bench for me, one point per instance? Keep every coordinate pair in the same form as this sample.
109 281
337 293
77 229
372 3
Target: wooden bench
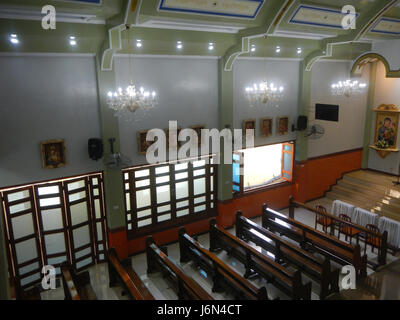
257 263
185 286
224 277
329 246
76 286
284 251
381 238
122 273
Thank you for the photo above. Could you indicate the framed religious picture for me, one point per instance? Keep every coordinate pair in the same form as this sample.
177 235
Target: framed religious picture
198 129
387 121
266 127
174 137
283 125
53 154
143 144
248 125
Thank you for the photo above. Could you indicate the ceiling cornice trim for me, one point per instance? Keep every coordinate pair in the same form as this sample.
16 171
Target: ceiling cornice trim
165 56
46 54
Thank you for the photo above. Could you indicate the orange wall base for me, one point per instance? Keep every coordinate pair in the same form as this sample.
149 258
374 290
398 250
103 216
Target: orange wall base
316 176
251 205
312 179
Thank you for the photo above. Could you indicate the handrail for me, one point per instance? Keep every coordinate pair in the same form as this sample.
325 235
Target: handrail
184 281
382 249
127 280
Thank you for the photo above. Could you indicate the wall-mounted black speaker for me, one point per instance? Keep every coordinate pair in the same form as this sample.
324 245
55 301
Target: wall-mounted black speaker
95 147
302 123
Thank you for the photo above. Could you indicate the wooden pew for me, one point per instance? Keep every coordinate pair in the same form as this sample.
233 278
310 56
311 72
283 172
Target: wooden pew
257 263
224 277
122 272
185 286
285 251
329 246
382 249
76 286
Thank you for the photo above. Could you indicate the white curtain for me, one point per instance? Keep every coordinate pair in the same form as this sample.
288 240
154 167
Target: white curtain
393 229
340 207
363 217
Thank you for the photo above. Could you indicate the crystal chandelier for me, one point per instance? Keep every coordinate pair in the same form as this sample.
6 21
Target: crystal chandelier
348 88
131 100
264 92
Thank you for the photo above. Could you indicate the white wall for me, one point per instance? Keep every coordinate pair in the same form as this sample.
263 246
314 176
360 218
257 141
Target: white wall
390 50
280 72
387 91
187 90
45 98
348 133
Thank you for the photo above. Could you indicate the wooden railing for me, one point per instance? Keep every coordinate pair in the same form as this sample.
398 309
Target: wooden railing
224 277
123 273
382 243
288 281
185 286
76 286
327 245
288 252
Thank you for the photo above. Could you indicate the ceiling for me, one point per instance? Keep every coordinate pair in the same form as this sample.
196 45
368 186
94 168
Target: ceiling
159 24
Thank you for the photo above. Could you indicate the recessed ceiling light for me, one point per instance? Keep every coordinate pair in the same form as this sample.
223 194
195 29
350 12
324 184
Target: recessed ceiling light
14 38
179 45
278 49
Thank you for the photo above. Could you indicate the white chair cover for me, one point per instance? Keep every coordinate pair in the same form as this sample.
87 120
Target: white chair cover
363 217
393 229
340 207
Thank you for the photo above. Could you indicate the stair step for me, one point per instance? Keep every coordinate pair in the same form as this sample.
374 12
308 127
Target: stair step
351 194
374 177
361 188
387 214
338 196
366 183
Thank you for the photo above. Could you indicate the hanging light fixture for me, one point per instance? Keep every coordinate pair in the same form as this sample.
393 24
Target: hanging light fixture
348 88
131 99
264 92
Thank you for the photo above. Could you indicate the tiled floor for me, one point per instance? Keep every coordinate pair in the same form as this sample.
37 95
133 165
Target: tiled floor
376 288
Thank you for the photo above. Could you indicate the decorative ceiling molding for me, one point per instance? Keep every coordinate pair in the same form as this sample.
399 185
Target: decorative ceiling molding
365 21
247 9
114 37
36 15
270 26
95 2
175 25
319 16
387 26
363 60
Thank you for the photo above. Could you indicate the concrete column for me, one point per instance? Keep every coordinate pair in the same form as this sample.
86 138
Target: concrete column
4 281
113 187
369 115
225 84
303 110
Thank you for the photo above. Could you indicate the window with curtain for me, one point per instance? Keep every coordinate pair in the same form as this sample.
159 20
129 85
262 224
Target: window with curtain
262 166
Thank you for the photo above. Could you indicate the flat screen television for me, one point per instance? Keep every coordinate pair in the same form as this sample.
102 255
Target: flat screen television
327 112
